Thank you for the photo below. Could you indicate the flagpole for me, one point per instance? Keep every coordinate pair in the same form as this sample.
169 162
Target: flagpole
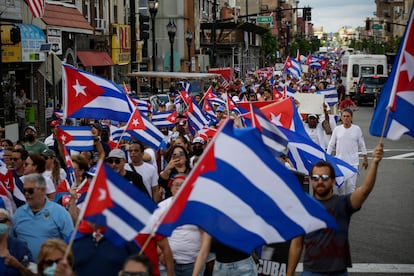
252 114
161 218
385 125
204 94
82 212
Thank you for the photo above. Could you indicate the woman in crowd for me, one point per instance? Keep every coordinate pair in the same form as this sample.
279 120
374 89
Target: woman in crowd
178 162
53 169
50 259
14 253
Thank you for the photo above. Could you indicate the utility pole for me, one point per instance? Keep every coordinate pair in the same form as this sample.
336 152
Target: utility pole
133 33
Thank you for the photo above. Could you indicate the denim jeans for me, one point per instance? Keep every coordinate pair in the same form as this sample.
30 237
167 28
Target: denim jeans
246 267
309 273
183 269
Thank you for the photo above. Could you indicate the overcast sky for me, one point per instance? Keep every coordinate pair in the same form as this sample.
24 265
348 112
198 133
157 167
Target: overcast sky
333 14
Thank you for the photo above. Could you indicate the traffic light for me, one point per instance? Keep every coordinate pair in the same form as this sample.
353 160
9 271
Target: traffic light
144 27
278 14
15 35
367 24
307 14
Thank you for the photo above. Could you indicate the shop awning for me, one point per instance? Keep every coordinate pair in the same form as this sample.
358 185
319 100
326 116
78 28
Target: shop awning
69 19
31 39
91 58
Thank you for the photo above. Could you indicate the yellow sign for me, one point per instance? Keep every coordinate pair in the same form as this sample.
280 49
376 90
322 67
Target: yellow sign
9 52
121 44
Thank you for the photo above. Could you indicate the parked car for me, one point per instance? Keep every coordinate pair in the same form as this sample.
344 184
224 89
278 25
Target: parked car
369 88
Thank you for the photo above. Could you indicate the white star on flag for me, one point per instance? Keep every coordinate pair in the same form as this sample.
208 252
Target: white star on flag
408 65
80 89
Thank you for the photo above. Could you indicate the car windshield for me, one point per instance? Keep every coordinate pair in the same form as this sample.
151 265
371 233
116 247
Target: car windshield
373 81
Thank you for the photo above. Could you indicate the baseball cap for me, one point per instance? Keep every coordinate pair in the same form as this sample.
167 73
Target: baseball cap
30 127
220 108
313 115
116 153
54 123
49 153
199 140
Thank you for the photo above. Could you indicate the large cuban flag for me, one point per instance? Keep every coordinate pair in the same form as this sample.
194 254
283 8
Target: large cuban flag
395 107
242 197
89 96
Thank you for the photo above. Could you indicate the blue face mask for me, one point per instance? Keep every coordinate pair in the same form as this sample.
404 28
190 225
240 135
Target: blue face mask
50 271
4 228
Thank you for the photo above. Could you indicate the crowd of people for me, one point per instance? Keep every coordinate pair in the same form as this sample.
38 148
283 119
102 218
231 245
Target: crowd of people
36 224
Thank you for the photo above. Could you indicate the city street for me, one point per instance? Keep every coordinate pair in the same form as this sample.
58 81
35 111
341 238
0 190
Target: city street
381 232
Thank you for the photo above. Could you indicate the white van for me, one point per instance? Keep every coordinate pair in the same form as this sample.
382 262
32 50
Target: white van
355 66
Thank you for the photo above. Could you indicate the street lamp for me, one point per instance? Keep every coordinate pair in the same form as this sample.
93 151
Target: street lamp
189 38
171 29
153 9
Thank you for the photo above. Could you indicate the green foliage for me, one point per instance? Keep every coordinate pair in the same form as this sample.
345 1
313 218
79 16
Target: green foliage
269 46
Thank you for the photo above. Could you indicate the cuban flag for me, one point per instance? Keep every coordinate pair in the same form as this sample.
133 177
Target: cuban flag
6 198
151 136
331 95
261 204
159 119
89 96
143 106
303 153
78 138
293 67
393 115
118 133
113 202
197 118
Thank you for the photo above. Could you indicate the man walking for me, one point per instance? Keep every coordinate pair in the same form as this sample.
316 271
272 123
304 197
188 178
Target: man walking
347 139
327 251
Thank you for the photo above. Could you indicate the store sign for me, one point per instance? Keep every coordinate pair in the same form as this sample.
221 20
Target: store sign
54 37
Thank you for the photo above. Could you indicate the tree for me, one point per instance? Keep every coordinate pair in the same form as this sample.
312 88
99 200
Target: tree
269 47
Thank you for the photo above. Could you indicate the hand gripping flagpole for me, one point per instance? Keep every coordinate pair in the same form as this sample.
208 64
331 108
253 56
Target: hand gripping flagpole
195 170
82 212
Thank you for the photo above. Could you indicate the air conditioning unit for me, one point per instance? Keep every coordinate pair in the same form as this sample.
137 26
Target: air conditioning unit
100 24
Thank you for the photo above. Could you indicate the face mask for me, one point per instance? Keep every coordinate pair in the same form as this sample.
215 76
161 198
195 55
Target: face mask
4 228
197 151
50 271
29 137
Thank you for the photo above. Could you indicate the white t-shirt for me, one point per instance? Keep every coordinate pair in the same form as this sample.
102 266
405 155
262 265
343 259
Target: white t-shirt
149 175
185 240
347 142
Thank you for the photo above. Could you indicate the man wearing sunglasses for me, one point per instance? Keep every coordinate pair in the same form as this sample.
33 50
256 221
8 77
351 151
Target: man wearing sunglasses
327 251
39 219
116 160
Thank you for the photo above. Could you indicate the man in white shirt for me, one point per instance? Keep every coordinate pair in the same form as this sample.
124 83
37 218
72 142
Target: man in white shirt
347 139
147 171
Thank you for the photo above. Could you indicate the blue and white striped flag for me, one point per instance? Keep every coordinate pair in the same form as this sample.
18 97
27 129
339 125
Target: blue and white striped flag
331 95
159 119
151 136
261 203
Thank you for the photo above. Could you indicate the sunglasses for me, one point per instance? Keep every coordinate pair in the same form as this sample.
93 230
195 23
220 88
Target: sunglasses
178 154
30 191
51 262
316 177
4 220
111 161
127 273
15 159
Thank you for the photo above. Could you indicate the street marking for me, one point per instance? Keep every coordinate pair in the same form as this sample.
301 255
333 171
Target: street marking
374 268
403 156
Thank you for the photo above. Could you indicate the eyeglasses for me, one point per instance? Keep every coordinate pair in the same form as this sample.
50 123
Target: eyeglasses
4 220
316 177
113 160
15 159
30 191
178 154
127 273
51 262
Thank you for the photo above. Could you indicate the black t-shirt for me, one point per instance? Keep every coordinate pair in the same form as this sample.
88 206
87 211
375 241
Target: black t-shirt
136 180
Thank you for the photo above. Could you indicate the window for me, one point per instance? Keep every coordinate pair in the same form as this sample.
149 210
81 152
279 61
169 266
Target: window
380 69
355 70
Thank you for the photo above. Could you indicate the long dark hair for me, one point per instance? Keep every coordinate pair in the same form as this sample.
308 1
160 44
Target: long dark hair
187 157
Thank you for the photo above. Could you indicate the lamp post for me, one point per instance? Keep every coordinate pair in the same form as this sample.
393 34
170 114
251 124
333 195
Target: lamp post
153 9
189 38
171 29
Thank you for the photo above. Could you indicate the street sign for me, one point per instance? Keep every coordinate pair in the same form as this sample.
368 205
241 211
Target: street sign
377 27
264 19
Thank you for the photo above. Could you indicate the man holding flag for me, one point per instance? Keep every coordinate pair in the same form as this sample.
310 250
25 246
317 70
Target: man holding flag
327 251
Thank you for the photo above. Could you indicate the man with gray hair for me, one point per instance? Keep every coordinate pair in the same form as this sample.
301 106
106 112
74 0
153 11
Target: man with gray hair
39 219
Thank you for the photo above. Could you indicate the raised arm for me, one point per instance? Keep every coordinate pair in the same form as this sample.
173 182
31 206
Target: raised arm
359 196
295 251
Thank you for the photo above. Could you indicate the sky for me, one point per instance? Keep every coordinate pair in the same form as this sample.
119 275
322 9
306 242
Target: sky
333 14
